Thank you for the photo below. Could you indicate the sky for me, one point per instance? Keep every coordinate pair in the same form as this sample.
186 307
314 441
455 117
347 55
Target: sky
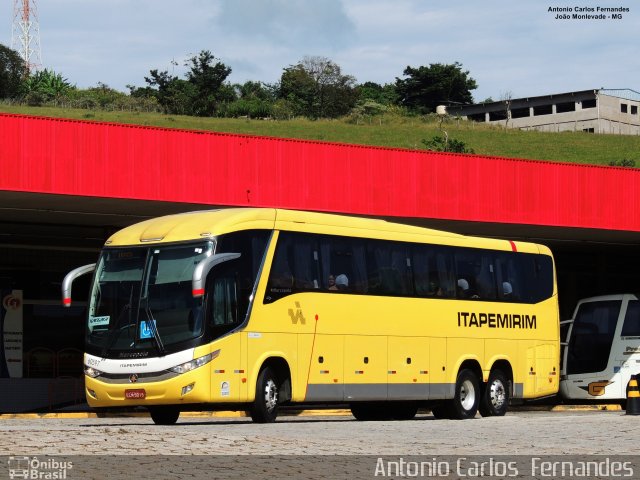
515 48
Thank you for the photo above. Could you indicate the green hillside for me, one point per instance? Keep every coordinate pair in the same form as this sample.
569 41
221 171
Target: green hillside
389 131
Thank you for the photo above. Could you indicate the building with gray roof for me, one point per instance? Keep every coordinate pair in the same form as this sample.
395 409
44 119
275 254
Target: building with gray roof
610 111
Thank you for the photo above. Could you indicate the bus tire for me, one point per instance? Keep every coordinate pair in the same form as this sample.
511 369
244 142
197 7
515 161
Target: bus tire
265 405
440 412
495 398
403 410
372 411
365 412
467 396
164 414
362 412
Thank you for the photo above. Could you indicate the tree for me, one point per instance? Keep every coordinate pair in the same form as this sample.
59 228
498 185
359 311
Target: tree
199 94
12 71
250 99
207 75
506 99
427 87
315 87
382 94
45 85
255 90
173 94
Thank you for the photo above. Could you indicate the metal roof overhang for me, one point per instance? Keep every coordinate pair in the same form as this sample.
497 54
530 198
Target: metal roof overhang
96 177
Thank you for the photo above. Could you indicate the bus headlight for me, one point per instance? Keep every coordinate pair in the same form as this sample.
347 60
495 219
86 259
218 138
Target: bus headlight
192 365
91 372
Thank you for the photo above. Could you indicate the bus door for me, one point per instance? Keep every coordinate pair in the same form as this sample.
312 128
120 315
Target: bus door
225 315
589 360
626 347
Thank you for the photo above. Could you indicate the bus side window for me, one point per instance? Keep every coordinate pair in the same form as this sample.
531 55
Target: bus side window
344 256
537 276
388 269
631 327
508 277
486 277
304 259
425 285
280 283
433 272
224 309
445 272
280 276
295 267
467 268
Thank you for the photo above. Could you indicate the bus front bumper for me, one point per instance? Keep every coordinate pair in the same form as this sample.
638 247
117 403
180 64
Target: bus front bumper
190 387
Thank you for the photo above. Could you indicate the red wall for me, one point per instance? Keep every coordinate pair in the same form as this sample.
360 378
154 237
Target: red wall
110 160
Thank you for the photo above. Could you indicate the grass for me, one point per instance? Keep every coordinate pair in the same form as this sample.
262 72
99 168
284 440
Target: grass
387 131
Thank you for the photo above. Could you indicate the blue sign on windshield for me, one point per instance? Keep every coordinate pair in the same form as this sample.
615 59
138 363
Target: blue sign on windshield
145 331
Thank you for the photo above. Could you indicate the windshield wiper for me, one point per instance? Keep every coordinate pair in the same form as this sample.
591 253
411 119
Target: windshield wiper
152 326
113 335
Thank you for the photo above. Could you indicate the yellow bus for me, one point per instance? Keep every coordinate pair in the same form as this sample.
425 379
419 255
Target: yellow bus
251 309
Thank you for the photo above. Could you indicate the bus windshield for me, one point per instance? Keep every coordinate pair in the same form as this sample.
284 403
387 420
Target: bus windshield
142 299
592 336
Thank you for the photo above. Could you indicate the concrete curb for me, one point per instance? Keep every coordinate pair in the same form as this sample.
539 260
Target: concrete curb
291 413
219 414
587 408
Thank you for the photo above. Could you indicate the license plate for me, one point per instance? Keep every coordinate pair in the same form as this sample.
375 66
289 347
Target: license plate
136 394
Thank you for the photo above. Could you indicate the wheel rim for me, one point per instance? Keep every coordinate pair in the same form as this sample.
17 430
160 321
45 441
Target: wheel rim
270 395
497 394
467 395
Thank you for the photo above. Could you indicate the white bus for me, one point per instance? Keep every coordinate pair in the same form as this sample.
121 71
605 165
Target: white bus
602 350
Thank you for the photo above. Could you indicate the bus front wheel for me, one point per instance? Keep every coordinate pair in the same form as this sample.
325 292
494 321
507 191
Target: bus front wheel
265 406
467 396
164 414
495 398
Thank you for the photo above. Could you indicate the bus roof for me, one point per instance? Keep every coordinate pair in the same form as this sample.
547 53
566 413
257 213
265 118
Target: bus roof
210 223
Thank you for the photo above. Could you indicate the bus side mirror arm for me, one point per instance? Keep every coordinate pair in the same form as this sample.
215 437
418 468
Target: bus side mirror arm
69 279
204 267
565 322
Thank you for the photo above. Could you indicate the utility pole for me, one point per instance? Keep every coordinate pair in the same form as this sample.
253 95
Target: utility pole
25 33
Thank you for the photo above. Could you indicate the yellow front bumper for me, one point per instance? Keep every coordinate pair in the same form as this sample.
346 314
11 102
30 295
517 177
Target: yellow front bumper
165 392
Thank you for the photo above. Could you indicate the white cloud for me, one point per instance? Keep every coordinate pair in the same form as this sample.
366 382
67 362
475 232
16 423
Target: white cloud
292 23
506 45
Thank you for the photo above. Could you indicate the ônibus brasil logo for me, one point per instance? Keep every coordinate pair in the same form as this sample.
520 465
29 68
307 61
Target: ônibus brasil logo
32 467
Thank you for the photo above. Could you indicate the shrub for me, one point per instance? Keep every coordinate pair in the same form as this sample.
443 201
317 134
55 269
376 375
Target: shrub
625 162
440 144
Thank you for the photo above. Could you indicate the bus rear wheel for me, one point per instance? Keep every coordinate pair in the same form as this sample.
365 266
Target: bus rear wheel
365 411
440 412
495 398
368 411
467 396
265 406
164 414
403 410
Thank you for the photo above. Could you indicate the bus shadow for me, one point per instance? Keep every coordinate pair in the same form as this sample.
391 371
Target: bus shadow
247 421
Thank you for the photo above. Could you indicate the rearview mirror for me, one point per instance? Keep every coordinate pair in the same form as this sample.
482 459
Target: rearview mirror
204 267
69 279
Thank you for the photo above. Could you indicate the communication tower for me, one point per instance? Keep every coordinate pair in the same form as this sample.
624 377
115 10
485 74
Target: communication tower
25 34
